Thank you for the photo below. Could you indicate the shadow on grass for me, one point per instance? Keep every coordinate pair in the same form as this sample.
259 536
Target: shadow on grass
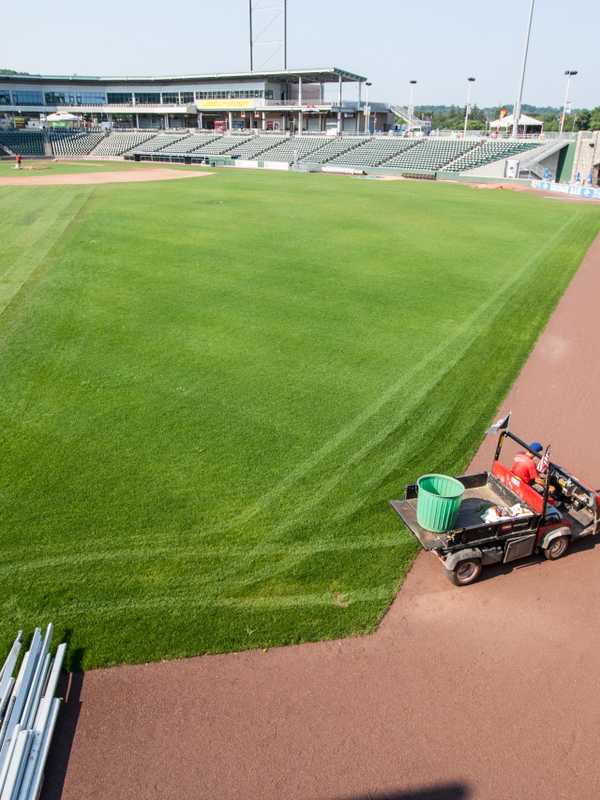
444 791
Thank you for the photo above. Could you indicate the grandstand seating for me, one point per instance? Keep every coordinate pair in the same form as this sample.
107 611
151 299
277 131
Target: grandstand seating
190 143
374 152
73 143
418 155
252 148
429 155
334 147
221 145
159 142
121 142
488 152
25 143
296 147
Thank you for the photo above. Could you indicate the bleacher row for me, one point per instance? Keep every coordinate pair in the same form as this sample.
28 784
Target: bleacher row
360 152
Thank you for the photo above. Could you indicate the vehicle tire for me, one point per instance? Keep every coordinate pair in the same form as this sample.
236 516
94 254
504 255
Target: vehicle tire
465 572
557 548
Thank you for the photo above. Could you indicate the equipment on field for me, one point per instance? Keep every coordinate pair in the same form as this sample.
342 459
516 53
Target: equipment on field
438 502
502 518
28 712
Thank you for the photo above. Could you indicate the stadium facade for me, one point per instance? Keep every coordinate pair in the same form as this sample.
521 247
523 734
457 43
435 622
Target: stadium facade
312 100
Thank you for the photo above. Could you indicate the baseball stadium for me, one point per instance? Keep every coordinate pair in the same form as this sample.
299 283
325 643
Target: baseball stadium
267 346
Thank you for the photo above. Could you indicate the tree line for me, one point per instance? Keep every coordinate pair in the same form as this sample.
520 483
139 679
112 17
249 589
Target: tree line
453 117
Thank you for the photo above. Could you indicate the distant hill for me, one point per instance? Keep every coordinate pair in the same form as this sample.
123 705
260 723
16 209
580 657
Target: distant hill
5 71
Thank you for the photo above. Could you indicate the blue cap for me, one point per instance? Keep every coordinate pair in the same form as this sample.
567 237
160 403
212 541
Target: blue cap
537 447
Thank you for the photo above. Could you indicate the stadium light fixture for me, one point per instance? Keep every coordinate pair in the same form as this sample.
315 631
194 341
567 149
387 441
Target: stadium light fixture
411 102
367 109
470 82
570 73
519 103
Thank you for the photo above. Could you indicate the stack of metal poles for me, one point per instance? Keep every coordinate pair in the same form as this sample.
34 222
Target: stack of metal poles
28 712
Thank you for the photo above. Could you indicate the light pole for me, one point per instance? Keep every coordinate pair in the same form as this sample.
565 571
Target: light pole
570 73
519 103
411 103
470 82
367 109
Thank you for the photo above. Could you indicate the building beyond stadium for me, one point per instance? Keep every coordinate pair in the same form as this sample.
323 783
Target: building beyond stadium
313 100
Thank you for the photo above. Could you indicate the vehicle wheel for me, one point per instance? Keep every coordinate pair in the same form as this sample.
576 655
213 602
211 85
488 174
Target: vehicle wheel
557 548
465 572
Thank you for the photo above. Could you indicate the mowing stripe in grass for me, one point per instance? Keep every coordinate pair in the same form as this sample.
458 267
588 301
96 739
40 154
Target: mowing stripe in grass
34 243
405 380
75 558
173 601
467 332
452 351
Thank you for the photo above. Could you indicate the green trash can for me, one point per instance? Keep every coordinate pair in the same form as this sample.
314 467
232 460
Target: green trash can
438 501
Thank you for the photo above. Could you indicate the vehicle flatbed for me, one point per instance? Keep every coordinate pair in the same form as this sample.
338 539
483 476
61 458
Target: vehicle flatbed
482 491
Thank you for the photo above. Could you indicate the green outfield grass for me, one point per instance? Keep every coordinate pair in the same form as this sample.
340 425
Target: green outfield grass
211 388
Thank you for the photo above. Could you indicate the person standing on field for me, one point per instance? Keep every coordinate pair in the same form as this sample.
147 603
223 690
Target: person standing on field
18 159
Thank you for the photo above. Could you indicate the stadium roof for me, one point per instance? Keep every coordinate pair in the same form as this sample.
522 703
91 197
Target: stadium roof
318 75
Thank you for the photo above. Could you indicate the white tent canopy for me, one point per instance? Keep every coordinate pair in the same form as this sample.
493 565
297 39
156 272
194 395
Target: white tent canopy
62 116
524 122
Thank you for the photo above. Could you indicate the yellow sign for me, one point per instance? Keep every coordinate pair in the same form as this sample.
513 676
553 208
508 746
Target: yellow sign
228 105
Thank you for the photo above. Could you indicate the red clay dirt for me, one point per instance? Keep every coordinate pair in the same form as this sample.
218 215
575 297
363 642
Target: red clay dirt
91 178
488 692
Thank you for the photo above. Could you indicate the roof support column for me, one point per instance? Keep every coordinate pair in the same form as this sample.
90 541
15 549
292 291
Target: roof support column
339 116
359 107
230 121
300 114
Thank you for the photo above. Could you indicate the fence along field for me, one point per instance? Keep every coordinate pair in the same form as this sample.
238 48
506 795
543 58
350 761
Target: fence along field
211 389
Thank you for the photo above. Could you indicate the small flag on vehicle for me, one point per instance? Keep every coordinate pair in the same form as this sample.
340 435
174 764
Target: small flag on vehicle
501 425
544 462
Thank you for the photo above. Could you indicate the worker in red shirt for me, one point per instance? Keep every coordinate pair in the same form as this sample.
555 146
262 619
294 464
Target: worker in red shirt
524 466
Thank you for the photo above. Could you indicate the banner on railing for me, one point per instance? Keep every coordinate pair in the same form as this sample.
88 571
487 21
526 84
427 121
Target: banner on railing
226 104
576 189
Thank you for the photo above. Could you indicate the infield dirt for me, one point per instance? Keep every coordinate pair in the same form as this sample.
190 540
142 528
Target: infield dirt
93 178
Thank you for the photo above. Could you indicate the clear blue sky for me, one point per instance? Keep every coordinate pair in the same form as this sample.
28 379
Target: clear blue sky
438 42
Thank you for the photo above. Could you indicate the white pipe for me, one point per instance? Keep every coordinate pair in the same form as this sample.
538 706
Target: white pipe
468 108
5 765
38 776
14 774
11 659
517 108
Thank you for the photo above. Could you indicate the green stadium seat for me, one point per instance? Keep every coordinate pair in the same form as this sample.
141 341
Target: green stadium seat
73 143
256 146
374 151
487 152
334 147
296 148
24 143
120 142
